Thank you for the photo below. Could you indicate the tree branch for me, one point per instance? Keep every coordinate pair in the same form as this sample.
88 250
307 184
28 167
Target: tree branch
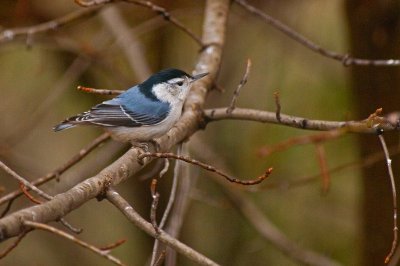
294 121
291 33
11 34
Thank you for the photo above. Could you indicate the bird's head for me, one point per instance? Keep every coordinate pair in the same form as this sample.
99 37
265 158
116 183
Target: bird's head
169 85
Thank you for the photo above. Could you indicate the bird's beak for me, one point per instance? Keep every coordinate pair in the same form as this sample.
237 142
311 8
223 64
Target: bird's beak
199 76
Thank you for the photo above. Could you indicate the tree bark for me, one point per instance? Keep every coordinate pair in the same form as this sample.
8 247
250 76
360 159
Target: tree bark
374 28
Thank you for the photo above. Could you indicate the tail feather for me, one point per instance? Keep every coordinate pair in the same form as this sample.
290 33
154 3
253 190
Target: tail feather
63 125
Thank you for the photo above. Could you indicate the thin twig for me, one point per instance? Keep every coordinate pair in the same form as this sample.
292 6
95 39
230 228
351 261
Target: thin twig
155 8
394 195
169 205
242 82
324 167
77 241
208 168
160 259
113 245
24 181
28 195
181 203
7 208
14 244
70 227
346 59
97 91
140 222
58 171
10 34
278 106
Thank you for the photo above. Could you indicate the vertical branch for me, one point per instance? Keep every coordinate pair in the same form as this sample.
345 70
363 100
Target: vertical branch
394 195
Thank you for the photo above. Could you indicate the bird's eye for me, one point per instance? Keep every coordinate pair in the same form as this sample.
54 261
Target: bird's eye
180 83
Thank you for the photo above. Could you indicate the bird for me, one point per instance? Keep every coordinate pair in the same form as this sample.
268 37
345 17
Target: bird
142 113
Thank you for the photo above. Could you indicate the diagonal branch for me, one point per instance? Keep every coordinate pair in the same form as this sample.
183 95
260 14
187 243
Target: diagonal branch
291 33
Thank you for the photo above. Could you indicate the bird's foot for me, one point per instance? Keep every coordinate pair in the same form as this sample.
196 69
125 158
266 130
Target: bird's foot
144 147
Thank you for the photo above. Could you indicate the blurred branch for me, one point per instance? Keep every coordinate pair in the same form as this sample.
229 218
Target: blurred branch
257 219
77 241
294 121
128 42
242 82
216 13
346 59
148 4
57 172
74 71
11 34
24 182
14 244
147 227
170 203
301 140
180 207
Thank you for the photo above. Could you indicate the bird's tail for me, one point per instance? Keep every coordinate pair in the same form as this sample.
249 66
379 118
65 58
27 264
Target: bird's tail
63 125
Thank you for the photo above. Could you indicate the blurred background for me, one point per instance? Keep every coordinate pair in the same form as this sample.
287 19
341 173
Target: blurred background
121 44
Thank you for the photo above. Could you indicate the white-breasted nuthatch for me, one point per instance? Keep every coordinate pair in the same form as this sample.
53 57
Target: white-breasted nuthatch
142 113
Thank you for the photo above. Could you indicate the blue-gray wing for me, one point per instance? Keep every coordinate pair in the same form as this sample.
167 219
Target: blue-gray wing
130 109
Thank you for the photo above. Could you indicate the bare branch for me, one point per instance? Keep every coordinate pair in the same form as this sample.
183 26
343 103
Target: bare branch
11 34
394 194
14 244
209 168
294 121
140 222
24 182
98 91
113 245
77 241
57 172
291 33
148 4
242 82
